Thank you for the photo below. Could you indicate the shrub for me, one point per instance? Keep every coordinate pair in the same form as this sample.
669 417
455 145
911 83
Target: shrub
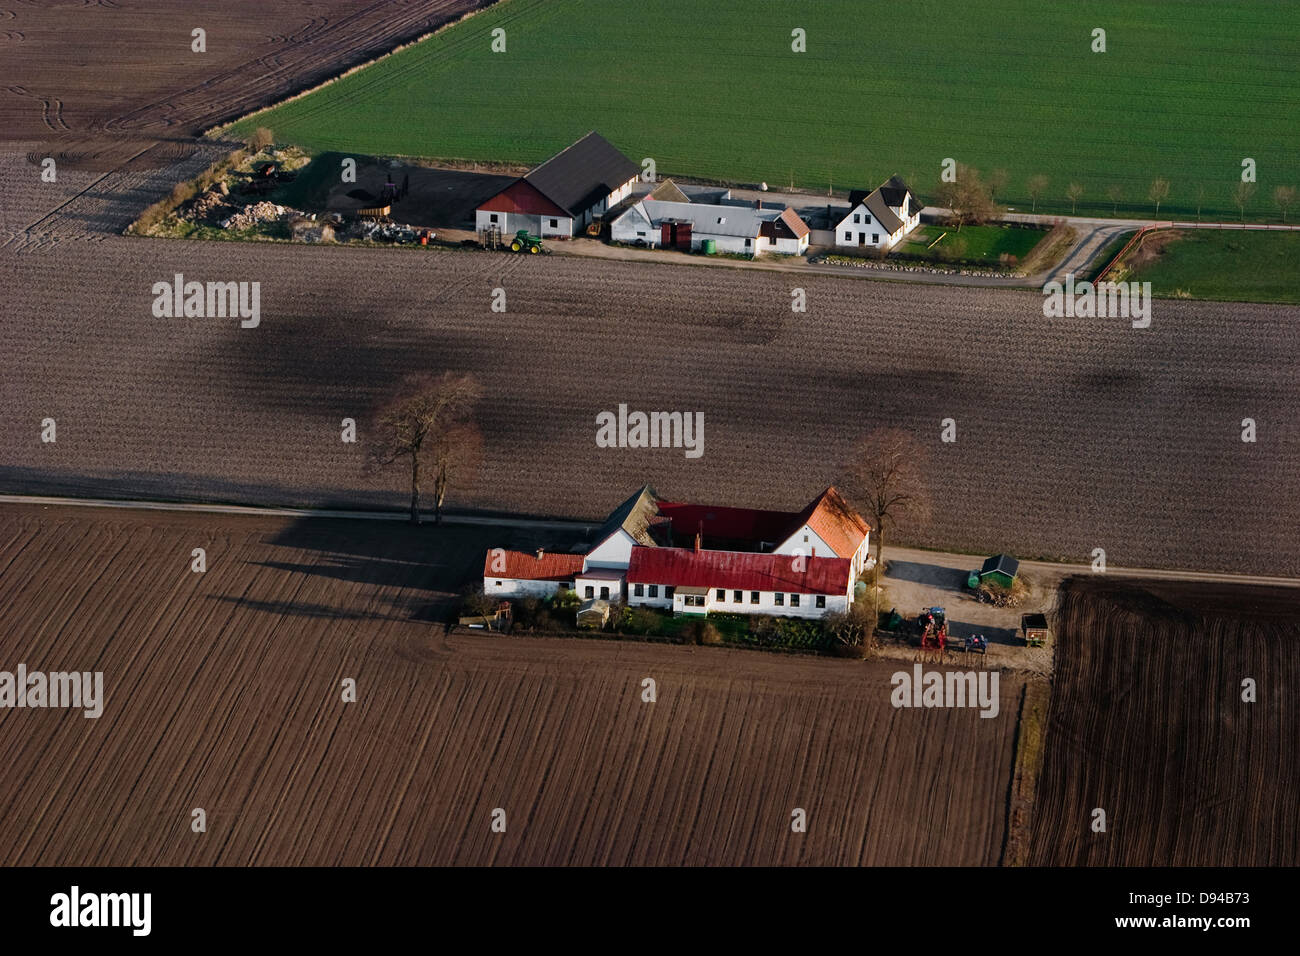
566 600
637 620
261 138
476 602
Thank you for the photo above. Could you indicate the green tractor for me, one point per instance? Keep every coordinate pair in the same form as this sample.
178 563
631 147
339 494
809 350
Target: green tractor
525 242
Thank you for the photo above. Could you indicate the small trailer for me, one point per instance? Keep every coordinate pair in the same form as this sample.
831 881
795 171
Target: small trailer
1033 628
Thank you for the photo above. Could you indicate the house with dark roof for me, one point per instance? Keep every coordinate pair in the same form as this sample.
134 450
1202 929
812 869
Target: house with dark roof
561 196
696 558
879 218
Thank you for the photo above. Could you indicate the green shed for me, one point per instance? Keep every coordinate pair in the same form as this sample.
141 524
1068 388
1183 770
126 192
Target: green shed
1000 569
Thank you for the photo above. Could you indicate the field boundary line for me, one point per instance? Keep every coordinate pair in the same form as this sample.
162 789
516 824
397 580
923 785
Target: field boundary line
575 524
1026 766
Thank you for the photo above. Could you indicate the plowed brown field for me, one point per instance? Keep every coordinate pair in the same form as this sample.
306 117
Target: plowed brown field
222 691
1072 434
74 70
1147 723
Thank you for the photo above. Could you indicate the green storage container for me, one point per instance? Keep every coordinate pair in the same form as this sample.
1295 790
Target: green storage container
708 246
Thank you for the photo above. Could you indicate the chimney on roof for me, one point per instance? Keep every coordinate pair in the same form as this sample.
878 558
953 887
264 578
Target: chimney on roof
540 552
698 536
758 204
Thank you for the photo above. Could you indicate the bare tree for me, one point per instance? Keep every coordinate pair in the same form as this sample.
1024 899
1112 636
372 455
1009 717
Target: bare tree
968 198
1074 192
1037 186
885 480
1242 196
430 422
1200 200
1114 193
1158 192
998 180
851 627
1284 196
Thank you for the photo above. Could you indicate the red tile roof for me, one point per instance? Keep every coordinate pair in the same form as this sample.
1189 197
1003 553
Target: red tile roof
797 225
527 566
745 571
835 522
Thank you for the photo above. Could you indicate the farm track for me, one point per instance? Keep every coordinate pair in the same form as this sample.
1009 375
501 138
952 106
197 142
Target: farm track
1147 722
222 692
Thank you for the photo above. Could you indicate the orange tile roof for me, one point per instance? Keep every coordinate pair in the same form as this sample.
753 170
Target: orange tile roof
527 566
835 522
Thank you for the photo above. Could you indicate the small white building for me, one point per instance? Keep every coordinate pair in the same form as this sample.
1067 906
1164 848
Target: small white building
749 229
880 218
516 574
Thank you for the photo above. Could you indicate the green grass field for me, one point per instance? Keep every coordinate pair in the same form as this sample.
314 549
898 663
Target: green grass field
1225 266
983 243
1184 91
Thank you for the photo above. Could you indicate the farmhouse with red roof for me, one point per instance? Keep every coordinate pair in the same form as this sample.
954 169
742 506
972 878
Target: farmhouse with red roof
700 558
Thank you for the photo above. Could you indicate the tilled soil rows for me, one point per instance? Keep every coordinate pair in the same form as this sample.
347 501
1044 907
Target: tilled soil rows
1147 723
1072 434
223 692
73 71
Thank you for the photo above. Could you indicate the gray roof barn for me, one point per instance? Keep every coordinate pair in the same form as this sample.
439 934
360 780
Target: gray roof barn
744 222
634 516
577 178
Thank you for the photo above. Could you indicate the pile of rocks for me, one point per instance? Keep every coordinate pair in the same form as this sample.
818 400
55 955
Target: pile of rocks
209 205
255 213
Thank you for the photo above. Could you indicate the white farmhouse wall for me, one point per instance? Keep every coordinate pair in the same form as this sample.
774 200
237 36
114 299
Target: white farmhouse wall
645 600
814 545
792 247
581 583
518 587
614 552
731 244
766 603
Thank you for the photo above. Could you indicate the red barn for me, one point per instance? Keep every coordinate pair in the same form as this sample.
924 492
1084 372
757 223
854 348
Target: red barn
562 195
